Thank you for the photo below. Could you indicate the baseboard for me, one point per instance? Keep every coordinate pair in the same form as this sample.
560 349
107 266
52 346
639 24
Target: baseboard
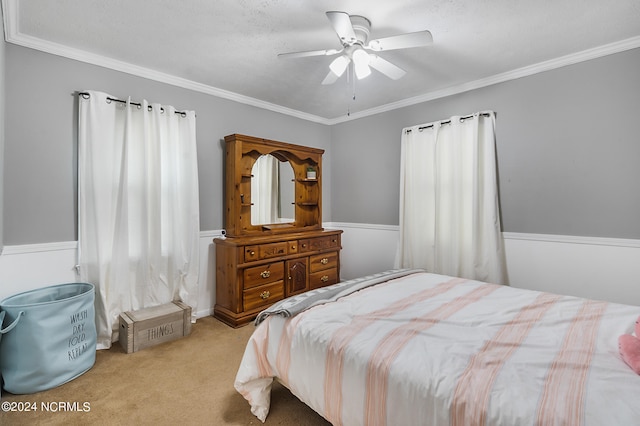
204 313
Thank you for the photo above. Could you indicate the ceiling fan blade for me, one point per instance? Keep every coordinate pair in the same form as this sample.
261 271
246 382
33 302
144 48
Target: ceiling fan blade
402 41
342 26
330 78
327 52
385 67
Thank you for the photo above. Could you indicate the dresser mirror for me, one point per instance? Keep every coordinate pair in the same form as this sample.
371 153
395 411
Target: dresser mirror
271 187
272 191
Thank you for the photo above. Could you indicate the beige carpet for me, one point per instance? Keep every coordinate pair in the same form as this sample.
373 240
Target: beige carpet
188 381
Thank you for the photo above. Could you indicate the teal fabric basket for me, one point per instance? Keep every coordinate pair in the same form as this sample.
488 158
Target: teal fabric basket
48 337
1 320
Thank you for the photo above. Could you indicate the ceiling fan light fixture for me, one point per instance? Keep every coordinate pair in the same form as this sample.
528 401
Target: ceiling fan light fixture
361 63
362 71
339 65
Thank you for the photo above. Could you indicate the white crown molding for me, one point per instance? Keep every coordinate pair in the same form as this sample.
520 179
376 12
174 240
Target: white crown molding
13 35
9 16
563 61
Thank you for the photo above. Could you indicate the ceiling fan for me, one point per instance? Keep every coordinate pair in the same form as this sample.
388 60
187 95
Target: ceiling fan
353 32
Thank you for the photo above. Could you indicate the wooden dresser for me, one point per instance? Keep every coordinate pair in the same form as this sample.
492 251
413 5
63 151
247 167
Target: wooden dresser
253 273
258 264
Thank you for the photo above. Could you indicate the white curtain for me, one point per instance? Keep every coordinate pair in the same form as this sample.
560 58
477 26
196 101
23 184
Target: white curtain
138 208
265 190
449 210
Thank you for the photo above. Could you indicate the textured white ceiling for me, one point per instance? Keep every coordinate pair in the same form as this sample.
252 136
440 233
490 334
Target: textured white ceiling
231 46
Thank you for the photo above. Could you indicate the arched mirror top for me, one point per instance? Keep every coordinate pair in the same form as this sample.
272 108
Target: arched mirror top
251 208
281 154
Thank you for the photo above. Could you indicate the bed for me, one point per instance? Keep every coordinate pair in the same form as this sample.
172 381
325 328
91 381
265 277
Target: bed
406 347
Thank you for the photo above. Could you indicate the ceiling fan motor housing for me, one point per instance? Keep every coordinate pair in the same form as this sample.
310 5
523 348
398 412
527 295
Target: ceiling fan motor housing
361 28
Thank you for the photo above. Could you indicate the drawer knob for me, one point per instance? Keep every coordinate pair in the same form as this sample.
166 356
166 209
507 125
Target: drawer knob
265 295
324 260
252 253
324 278
265 274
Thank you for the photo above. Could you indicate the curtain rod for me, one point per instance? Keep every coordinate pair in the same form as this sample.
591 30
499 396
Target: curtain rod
86 95
466 117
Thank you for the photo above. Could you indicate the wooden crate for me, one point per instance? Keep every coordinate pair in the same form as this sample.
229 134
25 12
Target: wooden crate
151 326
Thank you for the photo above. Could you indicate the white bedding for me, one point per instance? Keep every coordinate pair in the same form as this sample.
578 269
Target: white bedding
428 349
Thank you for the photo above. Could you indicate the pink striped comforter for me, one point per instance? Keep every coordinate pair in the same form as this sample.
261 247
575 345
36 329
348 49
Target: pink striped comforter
428 349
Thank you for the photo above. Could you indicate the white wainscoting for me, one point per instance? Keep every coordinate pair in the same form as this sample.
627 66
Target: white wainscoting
366 248
598 268
27 267
595 268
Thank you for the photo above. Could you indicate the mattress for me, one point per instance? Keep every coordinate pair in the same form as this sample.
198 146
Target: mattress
428 349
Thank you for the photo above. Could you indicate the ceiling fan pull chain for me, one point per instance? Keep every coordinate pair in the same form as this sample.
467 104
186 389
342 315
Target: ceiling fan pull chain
351 81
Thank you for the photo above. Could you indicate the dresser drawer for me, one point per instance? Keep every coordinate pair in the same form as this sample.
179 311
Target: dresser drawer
318 262
323 278
320 243
263 296
265 251
263 274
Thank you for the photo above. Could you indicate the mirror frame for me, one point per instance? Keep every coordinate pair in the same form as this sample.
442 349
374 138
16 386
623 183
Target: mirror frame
241 153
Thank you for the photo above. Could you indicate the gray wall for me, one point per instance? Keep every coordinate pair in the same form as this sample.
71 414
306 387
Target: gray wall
2 127
568 151
40 194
